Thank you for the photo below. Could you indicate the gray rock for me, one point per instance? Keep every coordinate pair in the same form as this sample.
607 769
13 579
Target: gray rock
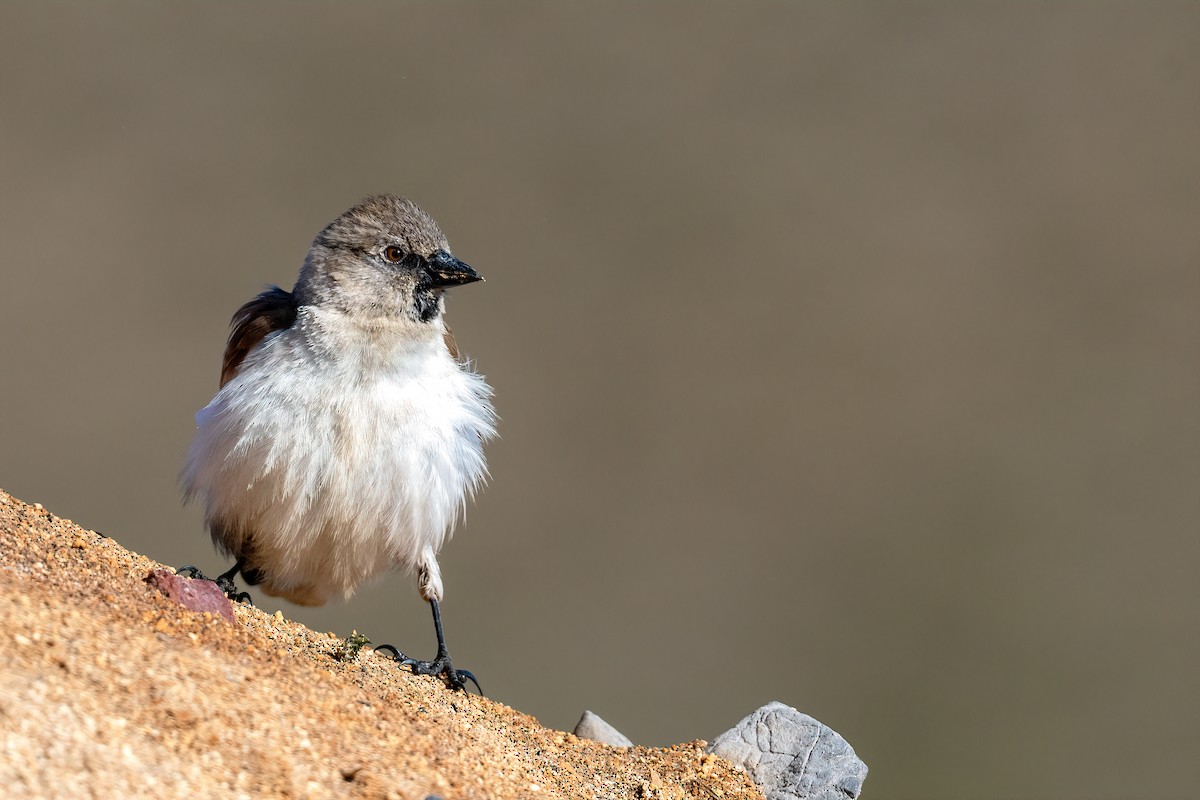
592 727
792 756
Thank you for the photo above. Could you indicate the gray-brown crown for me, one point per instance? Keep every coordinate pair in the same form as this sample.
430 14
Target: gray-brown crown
385 218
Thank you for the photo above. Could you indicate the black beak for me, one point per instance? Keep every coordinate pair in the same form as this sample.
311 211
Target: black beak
447 270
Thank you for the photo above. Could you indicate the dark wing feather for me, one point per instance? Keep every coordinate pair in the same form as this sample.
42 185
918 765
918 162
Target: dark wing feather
273 310
451 345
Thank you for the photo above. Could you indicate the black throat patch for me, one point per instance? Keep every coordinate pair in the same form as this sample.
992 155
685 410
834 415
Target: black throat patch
426 299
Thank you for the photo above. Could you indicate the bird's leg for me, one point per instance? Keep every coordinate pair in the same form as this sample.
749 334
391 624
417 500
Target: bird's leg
455 678
224 581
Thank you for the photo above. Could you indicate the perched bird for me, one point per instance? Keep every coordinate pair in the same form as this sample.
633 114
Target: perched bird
346 436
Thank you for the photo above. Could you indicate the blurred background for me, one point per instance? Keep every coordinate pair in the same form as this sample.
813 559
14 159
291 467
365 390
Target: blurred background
847 354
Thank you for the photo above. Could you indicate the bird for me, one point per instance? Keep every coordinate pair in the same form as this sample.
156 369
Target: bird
347 433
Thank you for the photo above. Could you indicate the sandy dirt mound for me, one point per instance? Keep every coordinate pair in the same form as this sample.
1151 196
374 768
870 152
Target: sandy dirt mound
110 689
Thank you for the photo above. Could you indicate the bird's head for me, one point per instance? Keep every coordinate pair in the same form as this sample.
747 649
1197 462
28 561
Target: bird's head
385 257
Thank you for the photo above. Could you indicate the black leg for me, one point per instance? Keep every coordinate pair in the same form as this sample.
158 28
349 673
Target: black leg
437 626
455 678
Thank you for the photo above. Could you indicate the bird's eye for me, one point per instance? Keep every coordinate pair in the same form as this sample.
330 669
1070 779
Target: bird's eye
393 254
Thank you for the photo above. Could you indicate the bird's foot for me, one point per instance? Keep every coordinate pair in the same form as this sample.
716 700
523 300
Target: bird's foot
440 666
224 583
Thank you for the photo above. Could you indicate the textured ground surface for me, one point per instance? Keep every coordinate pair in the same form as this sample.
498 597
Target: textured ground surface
109 689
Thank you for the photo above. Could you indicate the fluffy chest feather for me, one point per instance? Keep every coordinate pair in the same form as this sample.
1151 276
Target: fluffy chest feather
342 451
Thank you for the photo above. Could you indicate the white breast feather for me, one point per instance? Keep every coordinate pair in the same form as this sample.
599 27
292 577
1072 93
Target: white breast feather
346 452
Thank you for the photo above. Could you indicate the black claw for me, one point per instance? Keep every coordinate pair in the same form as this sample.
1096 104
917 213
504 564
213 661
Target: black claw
394 654
227 586
440 667
461 674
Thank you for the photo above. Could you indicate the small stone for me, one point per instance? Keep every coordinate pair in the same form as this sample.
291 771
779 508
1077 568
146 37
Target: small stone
191 594
792 756
590 726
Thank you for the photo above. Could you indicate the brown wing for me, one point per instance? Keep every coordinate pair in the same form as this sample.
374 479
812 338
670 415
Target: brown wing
451 345
273 310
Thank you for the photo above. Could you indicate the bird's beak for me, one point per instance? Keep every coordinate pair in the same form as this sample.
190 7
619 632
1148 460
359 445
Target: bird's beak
449 271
